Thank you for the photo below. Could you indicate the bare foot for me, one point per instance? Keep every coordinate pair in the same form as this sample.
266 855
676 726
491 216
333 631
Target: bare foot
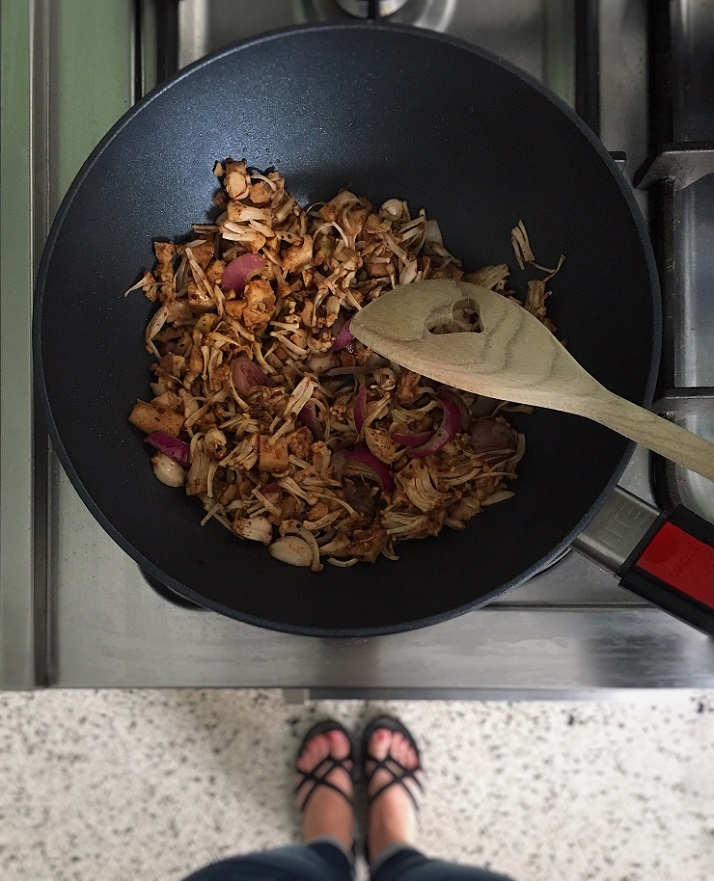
392 816
327 812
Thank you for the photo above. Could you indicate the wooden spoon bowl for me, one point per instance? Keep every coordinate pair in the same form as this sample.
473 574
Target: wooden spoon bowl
514 358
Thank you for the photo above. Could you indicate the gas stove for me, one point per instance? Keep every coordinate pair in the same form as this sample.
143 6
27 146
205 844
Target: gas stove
76 611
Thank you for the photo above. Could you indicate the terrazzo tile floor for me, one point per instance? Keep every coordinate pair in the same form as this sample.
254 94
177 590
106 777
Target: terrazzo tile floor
118 785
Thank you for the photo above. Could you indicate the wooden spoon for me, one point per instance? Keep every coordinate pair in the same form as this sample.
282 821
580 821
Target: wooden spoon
513 358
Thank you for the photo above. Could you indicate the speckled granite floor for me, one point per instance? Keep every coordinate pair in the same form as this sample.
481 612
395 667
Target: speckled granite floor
117 785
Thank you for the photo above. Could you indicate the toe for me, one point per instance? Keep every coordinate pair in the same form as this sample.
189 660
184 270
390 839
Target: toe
408 756
380 742
312 753
404 752
340 745
397 748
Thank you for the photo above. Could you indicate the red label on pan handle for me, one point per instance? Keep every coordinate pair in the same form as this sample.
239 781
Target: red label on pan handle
682 561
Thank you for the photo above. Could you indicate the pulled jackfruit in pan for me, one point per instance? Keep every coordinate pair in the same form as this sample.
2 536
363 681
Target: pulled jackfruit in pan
265 407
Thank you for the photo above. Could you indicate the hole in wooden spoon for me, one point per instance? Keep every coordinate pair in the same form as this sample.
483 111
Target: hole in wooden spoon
464 319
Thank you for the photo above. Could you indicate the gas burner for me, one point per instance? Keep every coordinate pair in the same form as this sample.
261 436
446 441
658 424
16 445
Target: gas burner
436 15
371 8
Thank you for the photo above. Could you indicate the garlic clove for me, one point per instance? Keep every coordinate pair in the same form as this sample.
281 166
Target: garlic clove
291 549
167 470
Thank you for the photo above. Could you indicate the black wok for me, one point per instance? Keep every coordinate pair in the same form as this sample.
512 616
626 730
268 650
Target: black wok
387 111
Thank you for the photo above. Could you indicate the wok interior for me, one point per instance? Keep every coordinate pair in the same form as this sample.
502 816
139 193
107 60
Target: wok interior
385 112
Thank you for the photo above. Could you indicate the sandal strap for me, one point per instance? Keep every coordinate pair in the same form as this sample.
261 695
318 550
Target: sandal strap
326 767
399 777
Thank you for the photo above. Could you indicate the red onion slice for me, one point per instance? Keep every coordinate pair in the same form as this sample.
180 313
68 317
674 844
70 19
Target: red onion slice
361 406
371 467
171 446
236 274
446 431
247 374
412 440
344 337
308 417
465 416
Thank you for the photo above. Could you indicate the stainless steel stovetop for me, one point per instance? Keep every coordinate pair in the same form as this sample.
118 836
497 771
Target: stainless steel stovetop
76 611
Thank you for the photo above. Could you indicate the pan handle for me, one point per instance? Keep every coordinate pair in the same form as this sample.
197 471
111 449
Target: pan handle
666 558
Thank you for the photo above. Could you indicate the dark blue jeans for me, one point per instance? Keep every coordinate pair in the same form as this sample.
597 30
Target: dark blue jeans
321 861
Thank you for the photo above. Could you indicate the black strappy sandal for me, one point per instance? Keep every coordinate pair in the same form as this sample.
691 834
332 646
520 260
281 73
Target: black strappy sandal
398 772
322 770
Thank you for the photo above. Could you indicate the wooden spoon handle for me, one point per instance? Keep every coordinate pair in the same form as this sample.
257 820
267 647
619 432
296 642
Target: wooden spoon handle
654 432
